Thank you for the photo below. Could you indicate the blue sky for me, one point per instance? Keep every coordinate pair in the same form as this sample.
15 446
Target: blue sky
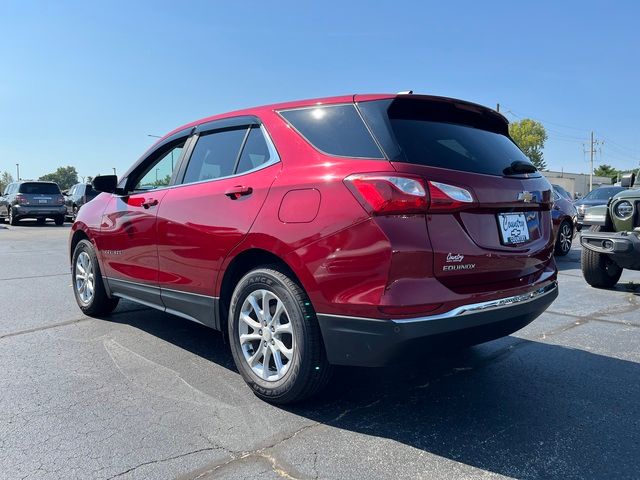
83 83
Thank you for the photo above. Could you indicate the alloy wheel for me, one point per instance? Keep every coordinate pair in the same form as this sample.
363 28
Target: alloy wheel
266 335
85 278
565 238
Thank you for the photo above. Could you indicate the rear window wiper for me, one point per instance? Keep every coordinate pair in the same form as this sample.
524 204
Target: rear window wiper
519 166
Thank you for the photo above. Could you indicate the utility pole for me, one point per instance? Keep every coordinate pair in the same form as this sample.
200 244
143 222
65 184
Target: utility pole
592 150
18 171
498 108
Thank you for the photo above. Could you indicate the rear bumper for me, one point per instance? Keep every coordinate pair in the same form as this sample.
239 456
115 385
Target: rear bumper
373 342
622 247
39 212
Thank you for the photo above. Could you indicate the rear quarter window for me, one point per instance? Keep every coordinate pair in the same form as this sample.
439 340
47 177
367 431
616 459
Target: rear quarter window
334 129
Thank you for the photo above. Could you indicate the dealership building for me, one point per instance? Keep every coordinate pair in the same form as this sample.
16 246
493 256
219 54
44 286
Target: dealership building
576 183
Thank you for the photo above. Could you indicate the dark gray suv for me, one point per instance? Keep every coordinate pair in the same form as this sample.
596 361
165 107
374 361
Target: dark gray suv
39 200
77 196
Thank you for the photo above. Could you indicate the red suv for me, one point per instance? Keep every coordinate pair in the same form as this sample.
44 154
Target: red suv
355 230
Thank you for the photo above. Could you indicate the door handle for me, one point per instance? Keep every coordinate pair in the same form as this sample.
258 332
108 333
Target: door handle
238 191
152 202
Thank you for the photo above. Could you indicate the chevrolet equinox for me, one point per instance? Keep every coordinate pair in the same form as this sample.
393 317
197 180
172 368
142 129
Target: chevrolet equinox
354 230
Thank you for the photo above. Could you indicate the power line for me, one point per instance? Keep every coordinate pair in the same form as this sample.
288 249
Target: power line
625 153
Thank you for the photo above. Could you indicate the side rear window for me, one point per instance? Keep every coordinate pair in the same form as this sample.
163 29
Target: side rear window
255 152
215 155
444 135
39 188
334 129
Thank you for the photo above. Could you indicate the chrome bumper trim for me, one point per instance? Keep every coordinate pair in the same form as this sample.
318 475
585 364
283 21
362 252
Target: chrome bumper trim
476 307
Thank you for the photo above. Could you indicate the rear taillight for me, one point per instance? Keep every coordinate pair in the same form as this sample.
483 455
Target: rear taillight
383 194
21 199
445 197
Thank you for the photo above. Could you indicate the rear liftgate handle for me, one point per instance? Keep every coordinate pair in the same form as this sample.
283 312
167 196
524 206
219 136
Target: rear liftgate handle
238 191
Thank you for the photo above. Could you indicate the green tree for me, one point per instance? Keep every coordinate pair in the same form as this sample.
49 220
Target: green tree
5 179
65 177
605 170
530 136
162 182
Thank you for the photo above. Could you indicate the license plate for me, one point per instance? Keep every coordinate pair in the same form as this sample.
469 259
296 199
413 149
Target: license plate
42 200
513 228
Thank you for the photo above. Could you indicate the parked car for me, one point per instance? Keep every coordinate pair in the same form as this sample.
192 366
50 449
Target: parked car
612 242
77 196
563 214
562 192
598 196
26 199
354 230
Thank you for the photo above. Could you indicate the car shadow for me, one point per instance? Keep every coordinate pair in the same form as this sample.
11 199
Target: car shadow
34 224
515 407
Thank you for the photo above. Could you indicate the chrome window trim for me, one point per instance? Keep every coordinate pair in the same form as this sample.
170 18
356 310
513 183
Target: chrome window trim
470 308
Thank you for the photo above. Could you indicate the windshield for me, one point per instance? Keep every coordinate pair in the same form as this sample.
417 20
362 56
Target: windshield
39 188
603 193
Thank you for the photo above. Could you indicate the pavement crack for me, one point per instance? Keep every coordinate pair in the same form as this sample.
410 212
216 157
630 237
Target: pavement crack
44 327
36 276
162 460
238 456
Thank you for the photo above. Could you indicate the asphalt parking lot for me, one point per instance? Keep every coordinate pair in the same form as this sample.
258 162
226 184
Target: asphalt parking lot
144 394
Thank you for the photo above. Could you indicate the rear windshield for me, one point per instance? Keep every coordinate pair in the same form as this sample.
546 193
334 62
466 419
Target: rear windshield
334 129
39 188
443 135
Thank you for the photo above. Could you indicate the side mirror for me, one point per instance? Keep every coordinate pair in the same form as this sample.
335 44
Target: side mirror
628 180
105 183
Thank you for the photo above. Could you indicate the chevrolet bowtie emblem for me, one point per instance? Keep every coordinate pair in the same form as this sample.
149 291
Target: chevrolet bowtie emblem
526 197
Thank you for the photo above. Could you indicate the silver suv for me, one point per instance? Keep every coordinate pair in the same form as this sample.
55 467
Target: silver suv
39 200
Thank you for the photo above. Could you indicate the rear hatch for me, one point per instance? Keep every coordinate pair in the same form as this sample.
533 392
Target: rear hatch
40 194
489 218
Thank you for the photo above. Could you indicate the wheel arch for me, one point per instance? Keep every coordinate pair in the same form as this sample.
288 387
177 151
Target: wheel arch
76 237
237 267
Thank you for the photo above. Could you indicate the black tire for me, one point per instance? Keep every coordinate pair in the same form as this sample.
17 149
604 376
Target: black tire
562 248
597 268
100 304
59 220
41 221
309 371
12 218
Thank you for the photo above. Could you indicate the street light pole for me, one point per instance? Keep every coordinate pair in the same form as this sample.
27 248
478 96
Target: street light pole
18 171
114 170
